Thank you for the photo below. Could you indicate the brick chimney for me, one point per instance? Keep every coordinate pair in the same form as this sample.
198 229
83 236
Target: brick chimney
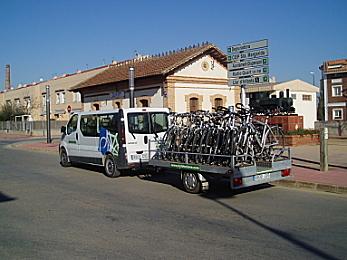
8 77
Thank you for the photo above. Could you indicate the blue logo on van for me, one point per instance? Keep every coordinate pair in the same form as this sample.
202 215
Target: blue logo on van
108 142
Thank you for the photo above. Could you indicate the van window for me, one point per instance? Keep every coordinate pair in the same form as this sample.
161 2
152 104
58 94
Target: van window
109 121
72 125
138 123
159 122
88 125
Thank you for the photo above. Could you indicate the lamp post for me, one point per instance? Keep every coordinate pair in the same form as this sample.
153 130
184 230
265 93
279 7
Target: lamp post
131 86
48 114
313 79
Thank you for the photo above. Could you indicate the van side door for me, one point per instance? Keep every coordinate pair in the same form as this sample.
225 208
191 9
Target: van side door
89 140
71 137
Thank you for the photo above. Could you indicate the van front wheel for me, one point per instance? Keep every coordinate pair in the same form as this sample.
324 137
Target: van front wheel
64 159
111 167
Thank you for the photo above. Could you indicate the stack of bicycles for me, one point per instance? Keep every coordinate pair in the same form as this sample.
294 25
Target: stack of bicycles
213 138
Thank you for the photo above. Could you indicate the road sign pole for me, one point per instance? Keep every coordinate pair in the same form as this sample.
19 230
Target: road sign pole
243 95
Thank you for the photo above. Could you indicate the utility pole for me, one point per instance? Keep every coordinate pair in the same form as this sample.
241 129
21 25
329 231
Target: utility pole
48 115
131 86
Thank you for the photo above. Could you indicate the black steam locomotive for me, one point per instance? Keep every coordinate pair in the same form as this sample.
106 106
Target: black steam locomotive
262 103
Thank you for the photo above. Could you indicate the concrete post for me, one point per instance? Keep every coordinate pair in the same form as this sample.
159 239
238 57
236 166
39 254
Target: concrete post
324 166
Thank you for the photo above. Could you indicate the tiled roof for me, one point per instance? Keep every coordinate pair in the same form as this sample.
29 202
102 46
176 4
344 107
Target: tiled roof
334 66
152 66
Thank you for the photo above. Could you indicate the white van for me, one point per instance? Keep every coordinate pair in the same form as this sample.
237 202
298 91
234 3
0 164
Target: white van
117 139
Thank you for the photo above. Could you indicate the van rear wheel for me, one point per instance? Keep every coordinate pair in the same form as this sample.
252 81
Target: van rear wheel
111 167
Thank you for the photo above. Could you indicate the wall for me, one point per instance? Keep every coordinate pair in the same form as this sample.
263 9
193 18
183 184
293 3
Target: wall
36 90
307 109
183 90
106 99
206 79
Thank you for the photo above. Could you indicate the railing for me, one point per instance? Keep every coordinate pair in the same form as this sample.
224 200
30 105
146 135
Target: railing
31 127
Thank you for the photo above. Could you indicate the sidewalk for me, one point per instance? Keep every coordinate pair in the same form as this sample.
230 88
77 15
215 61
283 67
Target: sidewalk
335 180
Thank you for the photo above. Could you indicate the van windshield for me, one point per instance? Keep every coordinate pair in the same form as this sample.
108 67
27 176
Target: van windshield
147 123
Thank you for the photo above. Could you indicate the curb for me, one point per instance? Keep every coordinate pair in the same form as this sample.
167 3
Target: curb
26 147
311 186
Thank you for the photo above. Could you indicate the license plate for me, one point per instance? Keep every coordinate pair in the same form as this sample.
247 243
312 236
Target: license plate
139 156
261 177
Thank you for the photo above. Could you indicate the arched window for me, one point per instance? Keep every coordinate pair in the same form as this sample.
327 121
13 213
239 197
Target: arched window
96 106
144 102
218 102
193 104
281 94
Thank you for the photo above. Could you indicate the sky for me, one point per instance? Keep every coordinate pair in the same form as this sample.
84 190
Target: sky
41 39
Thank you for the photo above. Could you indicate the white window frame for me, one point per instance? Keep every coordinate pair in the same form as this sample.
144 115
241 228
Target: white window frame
333 92
27 101
76 97
293 96
57 98
62 97
17 101
335 110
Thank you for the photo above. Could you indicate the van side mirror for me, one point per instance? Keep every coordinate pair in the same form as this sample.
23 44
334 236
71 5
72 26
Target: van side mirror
63 129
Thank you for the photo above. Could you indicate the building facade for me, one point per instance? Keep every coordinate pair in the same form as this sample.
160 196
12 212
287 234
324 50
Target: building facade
32 97
185 80
334 89
304 97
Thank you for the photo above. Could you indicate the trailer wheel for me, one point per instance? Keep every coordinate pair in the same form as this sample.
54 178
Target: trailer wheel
191 182
111 167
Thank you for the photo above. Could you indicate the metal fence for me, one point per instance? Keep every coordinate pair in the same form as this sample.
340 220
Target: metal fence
31 127
335 128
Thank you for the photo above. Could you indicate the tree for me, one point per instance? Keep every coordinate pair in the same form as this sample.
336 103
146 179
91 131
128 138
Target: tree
8 111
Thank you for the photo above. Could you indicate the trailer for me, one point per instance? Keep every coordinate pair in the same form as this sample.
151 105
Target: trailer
195 176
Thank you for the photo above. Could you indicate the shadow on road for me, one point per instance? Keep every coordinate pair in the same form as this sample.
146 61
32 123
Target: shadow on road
219 187
5 198
281 234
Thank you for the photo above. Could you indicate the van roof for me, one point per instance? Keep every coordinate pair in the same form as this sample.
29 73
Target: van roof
125 110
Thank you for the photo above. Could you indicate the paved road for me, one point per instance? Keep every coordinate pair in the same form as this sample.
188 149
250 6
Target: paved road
50 212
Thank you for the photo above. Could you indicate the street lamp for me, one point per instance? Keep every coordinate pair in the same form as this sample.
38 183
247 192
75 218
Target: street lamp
313 80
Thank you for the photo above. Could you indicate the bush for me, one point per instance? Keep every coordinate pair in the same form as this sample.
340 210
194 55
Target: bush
302 131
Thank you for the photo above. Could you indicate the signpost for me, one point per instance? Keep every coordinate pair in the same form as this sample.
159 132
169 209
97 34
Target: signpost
248 64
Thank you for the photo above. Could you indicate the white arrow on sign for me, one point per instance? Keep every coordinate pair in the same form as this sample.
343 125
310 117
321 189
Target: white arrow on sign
236 57
248 64
248 72
249 81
